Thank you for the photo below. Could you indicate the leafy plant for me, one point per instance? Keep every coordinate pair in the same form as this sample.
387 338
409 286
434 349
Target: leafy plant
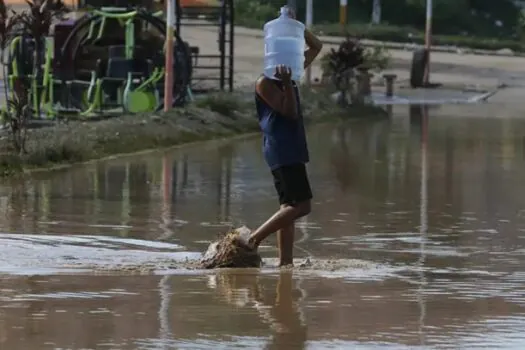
340 66
225 104
38 20
35 24
5 24
5 29
351 54
17 115
377 58
254 13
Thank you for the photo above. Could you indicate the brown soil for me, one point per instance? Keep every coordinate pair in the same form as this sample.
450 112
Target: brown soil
228 252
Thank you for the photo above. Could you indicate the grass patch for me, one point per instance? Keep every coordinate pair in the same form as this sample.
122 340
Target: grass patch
226 104
215 116
400 34
408 34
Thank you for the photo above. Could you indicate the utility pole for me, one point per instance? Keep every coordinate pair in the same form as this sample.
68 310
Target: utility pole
428 42
342 14
376 12
168 59
309 22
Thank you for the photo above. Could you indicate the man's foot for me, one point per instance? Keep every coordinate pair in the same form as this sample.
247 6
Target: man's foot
243 239
246 244
284 265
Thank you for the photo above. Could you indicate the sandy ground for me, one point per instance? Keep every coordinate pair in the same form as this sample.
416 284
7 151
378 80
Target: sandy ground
456 71
446 67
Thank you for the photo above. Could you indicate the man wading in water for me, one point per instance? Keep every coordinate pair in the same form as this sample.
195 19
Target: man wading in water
286 152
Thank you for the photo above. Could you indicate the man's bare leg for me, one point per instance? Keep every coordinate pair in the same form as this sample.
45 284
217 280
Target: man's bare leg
285 241
285 217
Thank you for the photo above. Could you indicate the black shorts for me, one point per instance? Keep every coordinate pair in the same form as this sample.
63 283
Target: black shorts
292 185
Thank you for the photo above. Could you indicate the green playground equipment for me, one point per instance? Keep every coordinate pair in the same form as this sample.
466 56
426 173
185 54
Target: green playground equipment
111 60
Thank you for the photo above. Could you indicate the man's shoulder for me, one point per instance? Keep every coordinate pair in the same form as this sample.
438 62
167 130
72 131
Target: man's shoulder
261 85
262 80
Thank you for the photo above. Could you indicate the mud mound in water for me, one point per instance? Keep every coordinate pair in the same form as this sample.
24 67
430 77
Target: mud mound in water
228 251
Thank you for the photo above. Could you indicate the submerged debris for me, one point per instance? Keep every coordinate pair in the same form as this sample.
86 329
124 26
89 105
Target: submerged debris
229 251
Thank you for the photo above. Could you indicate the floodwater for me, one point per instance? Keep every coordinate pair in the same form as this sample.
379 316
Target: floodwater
416 241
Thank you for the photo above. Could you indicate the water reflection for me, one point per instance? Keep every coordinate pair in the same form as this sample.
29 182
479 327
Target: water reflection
371 170
436 199
250 309
373 166
343 161
165 330
423 225
280 310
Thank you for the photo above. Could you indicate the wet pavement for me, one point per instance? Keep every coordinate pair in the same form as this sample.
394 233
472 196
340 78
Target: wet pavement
416 241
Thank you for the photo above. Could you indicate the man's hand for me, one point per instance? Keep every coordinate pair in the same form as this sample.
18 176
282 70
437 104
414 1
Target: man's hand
314 47
290 12
313 43
284 74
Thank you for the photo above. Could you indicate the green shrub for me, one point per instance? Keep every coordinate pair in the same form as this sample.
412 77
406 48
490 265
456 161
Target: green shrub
254 14
408 34
222 103
351 54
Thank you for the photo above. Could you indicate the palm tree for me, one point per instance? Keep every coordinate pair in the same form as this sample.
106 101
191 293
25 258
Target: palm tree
6 27
36 24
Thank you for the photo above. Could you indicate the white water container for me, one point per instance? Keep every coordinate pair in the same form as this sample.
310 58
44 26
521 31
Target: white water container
284 45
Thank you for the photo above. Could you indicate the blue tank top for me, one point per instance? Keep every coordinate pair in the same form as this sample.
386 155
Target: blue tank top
284 138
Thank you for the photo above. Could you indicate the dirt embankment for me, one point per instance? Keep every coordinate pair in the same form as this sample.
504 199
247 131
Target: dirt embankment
214 116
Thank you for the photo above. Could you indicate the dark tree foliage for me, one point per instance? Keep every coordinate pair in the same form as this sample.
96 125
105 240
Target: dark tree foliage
450 17
350 54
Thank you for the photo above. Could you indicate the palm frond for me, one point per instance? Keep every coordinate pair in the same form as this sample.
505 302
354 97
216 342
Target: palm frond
3 10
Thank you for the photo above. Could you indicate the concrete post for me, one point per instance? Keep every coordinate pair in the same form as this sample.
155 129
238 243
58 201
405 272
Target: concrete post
390 79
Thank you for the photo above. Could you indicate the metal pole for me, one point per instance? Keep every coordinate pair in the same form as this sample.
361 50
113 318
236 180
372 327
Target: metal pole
178 15
428 40
231 43
222 45
168 59
342 14
309 23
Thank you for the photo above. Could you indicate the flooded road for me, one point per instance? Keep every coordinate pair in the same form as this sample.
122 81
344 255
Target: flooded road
416 240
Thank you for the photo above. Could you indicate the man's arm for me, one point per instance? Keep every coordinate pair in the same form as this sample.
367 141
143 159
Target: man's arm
314 47
284 102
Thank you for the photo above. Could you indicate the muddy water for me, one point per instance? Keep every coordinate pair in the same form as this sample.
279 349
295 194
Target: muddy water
416 240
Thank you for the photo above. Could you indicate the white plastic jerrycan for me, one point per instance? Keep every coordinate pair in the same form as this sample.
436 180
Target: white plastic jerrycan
284 44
